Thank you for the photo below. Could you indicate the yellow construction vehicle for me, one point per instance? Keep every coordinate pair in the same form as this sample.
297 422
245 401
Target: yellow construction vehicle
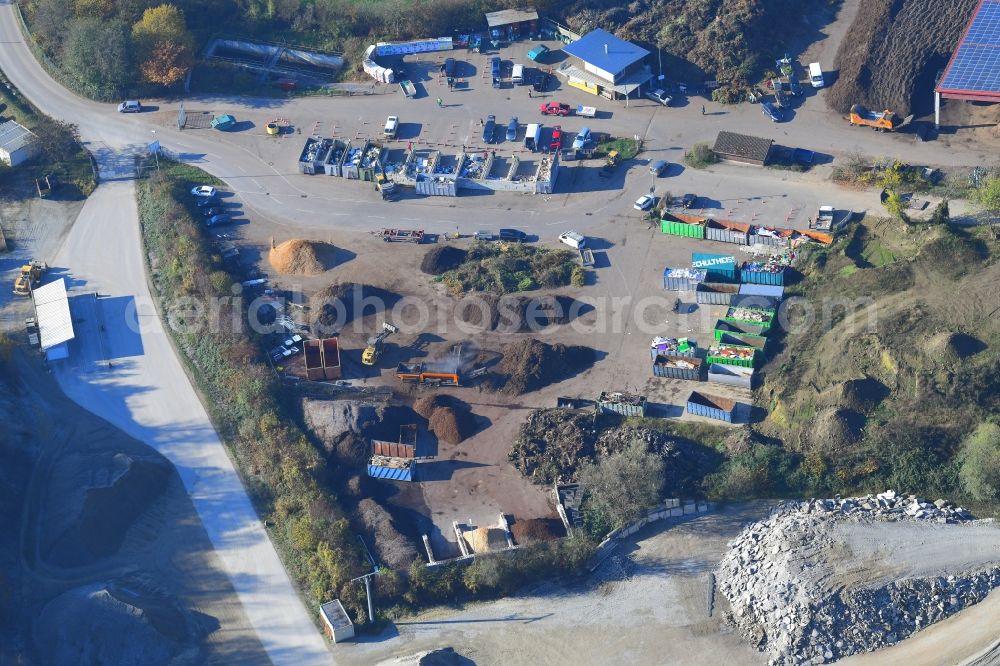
372 353
28 278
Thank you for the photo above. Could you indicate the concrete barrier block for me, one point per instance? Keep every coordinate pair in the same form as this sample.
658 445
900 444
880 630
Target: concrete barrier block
676 512
688 508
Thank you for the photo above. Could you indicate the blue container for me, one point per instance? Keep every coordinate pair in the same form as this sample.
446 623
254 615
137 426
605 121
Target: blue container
717 267
763 277
392 473
665 366
711 406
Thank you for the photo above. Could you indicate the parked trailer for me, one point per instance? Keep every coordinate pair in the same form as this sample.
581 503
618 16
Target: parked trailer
682 279
727 232
403 235
744 357
586 257
713 293
711 406
737 328
626 404
731 375
677 367
586 111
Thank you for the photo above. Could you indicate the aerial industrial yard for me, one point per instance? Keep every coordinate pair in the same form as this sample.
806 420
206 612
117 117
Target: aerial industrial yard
529 342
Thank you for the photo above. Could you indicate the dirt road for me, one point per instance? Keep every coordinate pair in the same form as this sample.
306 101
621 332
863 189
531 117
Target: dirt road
146 393
647 606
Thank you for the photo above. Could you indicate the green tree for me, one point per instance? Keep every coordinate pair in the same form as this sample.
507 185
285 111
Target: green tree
50 20
979 458
97 53
55 138
989 195
164 46
621 487
941 214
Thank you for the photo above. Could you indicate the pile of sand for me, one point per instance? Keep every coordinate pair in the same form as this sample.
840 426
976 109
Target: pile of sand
534 530
442 259
301 257
485 539
529 365
426 405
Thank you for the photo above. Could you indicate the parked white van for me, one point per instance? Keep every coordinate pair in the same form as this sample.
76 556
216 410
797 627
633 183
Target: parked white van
517 75
816 75
533 137
391 127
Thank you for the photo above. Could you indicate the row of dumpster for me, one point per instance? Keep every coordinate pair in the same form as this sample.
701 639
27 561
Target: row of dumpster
738 233
337 157
718 273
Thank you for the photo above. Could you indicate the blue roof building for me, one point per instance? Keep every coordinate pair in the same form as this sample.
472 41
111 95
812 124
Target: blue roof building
610 66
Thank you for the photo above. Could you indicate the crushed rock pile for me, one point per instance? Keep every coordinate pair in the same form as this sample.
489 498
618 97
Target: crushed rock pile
300 257
799 592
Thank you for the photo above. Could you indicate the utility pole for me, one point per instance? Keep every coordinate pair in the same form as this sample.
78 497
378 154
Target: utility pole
368 593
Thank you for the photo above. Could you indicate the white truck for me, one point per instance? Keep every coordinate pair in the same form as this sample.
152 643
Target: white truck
816 75
517 75
533 137
586 111
391 127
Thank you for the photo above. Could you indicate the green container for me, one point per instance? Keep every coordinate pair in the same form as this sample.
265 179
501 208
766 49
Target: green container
681 229
723 327
725 360
765 321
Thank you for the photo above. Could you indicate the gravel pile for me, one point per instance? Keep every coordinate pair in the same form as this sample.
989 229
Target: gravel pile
823 579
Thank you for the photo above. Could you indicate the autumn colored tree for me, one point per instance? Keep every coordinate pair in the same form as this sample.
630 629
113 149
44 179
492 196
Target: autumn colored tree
164 47
167 63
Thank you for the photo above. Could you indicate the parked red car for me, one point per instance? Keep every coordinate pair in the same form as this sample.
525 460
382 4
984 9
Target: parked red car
556 143
554 109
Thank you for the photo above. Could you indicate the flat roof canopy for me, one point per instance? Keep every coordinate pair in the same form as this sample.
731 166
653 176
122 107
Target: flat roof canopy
510 17
52 311
973 73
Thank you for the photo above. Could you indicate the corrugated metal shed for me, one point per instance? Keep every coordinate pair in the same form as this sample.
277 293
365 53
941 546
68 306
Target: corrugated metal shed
15 143
52 311
338 625
511 17
605 51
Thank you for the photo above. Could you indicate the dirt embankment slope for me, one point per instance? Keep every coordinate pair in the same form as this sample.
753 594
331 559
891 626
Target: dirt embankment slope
893 51
106 558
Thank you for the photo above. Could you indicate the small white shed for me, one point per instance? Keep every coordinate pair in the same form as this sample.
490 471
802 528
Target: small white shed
336 625
16 143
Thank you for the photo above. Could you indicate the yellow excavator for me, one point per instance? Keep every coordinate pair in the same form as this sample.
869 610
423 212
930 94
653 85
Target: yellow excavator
28 278
373 351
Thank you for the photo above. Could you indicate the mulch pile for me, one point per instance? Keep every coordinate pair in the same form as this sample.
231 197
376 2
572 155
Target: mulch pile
393 548
442 259
529 365
339 304
516 314
534 530
449 419
893 49
300 257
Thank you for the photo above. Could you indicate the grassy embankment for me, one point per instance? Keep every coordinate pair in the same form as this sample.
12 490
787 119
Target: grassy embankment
288 479
897 368
73 171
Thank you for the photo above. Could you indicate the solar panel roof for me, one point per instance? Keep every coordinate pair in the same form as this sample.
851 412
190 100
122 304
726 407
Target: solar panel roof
975 65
